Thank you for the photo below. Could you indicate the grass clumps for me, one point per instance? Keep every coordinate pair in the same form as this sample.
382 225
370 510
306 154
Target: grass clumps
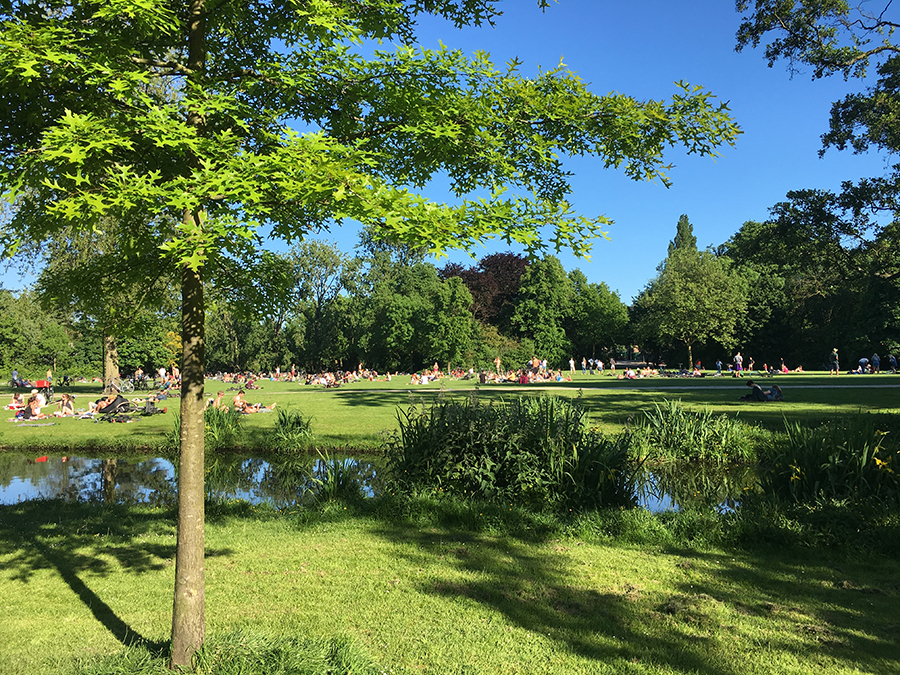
847 459
536 450
246 653
293 431
671 432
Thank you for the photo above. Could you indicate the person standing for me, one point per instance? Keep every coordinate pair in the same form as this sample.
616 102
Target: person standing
571 365
876 363
739 365
835 363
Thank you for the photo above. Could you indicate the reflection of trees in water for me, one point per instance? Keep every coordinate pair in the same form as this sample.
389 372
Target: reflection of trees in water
698 485
281 481
107 480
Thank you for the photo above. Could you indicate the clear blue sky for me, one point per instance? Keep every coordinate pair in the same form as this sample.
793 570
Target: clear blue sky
641 48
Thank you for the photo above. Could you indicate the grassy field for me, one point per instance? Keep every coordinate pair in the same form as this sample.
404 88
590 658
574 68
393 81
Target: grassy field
443 587
359 414
419 595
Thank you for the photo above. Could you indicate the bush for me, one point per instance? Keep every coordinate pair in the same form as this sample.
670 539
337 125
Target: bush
670 432
529 451
841 460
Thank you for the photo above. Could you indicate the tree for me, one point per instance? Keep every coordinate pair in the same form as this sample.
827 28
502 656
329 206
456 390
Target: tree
543 303
118 291
84 135
694 298
597 318
494 284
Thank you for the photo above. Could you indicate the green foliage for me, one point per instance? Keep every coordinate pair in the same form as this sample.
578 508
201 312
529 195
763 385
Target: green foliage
543 301
246 653
695 298
671 432
293 431
527 451
597 319
333 479
223 428
846 459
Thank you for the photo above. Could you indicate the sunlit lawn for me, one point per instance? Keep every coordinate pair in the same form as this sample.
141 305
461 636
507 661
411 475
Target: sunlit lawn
360 414
82 581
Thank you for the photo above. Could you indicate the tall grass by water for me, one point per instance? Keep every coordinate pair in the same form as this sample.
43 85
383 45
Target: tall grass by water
852 458
670 431
532 450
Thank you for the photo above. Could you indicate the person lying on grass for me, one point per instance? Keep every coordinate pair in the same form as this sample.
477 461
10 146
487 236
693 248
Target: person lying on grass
757 393
242 406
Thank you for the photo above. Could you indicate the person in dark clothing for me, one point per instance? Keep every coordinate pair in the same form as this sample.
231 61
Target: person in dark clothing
757 393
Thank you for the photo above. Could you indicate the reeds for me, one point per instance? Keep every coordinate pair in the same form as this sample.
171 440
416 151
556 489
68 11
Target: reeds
844 459
671 432
528 451
293 431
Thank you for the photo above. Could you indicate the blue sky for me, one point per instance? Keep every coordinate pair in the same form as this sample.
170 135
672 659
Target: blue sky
641 48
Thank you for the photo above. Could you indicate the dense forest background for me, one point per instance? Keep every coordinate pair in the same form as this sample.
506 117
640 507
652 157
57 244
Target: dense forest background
794 287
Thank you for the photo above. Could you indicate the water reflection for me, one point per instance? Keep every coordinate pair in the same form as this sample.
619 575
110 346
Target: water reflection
696 486
280 482
298 479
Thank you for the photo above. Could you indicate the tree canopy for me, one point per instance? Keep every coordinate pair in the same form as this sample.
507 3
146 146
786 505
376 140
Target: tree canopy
230 117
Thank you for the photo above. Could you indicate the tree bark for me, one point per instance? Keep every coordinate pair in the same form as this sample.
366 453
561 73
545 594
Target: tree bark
189 611
110 359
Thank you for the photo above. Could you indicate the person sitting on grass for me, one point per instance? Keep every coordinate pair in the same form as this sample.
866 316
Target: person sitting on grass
66 406
217 401
16 403
242 406
32 411
757 393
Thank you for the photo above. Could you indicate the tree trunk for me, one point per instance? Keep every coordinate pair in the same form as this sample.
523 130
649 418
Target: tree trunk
189 609
110 359
109 474
690 358
189 612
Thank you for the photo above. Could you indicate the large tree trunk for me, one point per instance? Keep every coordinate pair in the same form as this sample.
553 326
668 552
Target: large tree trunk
189 612
110 359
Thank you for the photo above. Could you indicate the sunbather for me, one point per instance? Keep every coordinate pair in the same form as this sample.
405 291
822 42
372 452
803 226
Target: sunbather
66 407
242 406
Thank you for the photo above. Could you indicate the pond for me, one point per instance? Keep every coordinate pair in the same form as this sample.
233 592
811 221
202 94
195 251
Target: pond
294 481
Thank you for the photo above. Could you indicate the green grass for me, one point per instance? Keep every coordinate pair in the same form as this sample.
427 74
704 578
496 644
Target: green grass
359 414
425 589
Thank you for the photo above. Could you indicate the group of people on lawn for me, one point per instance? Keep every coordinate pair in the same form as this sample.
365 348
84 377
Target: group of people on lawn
32 409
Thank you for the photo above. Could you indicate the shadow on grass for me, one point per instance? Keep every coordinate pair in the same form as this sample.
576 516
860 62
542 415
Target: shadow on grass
693 625
76 540
831 608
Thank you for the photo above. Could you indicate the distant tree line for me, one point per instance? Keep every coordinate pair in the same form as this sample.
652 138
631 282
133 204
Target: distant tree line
813 277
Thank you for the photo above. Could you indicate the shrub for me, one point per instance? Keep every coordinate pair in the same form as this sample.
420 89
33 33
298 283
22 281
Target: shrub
841 460
531 450
292 431
670 432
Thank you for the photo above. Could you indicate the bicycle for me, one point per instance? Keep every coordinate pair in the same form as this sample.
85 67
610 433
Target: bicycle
119 385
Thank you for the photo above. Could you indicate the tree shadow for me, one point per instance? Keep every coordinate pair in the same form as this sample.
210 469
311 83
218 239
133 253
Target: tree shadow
836 608
536 585
75 540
